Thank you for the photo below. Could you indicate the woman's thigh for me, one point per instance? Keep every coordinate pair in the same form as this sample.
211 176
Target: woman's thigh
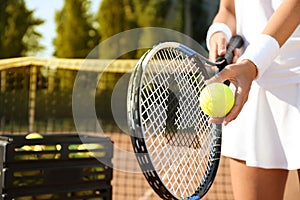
251 183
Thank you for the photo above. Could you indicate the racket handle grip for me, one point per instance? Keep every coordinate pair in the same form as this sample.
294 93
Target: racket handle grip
235 42
222 61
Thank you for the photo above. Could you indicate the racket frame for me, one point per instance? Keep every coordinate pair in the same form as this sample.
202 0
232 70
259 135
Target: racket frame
136 129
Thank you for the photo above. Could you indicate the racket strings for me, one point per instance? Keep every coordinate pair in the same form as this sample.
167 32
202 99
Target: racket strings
177 134
188 113
155 93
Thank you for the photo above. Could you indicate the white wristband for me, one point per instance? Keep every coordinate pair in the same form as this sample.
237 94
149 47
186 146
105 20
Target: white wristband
217 27
261 51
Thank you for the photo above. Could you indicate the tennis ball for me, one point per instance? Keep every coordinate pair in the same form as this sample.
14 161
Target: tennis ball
32 136
216 100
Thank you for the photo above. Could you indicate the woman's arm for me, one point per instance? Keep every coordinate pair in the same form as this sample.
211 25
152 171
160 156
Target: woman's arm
226 14
284 21
281 25
218 41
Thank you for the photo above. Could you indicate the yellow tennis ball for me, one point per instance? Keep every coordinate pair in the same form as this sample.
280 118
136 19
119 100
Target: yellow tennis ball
216 100
31 136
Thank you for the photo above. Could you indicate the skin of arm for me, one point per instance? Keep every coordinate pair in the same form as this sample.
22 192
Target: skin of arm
226 15
243 73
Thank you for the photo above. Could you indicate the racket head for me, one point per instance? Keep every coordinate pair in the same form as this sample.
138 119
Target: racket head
176 148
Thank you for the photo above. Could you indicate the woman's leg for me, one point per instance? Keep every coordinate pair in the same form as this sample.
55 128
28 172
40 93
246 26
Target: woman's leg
299 177
251 183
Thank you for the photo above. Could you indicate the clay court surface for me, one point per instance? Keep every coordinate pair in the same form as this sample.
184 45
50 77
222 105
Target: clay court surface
129 185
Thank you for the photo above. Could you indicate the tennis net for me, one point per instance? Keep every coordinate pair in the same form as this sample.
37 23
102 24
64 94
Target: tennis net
36 95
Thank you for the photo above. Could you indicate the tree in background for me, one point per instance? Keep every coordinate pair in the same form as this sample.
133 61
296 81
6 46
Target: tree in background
191 17
116 16
198 20
76 36
159 13
113 17
18 36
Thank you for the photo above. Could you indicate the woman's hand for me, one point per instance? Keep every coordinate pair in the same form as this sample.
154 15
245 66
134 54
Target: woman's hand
241 76
218 43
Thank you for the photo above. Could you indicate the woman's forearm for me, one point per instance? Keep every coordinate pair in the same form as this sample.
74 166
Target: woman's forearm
226 15
284 21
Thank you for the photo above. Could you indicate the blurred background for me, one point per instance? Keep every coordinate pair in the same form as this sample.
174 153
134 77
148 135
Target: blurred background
45 44
71 29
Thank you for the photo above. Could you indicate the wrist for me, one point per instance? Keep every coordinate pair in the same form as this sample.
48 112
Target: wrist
252 69
217 27
261 52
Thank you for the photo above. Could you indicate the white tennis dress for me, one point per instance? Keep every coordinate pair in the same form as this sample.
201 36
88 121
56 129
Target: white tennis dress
267 131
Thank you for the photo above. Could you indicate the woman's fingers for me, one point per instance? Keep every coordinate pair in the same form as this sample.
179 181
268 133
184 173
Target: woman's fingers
241 76
218 44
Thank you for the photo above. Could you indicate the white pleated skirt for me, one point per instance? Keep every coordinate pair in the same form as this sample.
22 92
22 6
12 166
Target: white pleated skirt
266 133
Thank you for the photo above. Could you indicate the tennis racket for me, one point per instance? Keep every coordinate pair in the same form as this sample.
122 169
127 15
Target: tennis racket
176 148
